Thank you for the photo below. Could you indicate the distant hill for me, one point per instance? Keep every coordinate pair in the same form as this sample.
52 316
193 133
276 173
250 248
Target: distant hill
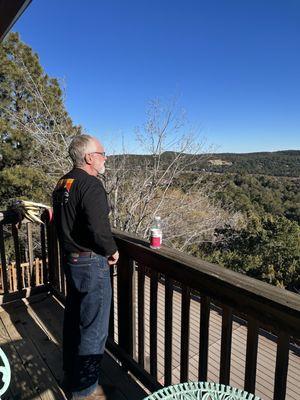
278 163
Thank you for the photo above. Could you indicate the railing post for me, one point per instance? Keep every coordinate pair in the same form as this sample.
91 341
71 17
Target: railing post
282 362
125 296
185 333
30 254
226 345
45 263
168 330
134 310
3 261
38 279
204 337
17 255
251 355
141 315
52 253
153 322
111 330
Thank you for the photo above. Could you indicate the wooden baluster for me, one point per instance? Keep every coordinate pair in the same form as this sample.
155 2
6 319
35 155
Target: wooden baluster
282 362
3 262
14 277
50 246
204 338
153 323
111 329
251 355
57 275
141 315
10 278
125 328
168 330
32 280
45 269
185 333
37 271
62 286
26 274
17 255
22 275
52 255
226 345
41 272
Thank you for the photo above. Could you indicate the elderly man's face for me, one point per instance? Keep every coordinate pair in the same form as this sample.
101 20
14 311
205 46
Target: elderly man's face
97 157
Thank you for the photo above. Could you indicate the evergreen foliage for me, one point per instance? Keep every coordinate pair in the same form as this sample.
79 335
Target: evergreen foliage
267 248
278 163
260 194
24 86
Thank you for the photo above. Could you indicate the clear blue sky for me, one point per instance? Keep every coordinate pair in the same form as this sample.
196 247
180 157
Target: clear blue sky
235 64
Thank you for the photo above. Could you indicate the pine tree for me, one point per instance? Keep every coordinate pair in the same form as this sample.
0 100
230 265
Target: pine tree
34 124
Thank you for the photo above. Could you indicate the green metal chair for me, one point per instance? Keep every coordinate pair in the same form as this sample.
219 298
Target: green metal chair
5 371
201 391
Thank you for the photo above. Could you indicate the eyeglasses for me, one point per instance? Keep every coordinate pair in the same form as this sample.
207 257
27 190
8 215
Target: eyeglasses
102 153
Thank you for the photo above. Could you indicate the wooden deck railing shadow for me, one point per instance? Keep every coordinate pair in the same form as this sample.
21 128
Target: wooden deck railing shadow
262 306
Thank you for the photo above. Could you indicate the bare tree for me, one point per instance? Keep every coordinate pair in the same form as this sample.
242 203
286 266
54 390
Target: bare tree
164 183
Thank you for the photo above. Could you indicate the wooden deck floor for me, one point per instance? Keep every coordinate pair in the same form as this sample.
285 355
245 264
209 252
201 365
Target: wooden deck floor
30 336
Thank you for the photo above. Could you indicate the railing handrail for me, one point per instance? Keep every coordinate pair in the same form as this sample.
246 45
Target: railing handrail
269 304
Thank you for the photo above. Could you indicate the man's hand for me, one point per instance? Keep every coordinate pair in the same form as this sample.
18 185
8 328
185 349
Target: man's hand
113 259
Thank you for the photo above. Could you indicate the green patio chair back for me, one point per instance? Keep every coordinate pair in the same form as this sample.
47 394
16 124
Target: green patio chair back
201 391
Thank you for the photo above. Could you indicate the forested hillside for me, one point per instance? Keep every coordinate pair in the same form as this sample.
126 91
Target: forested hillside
278 163
260 194
267 245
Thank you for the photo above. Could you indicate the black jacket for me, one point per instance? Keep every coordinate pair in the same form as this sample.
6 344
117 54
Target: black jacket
81 214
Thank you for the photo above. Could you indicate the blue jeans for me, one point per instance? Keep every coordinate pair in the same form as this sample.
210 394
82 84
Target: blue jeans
86 321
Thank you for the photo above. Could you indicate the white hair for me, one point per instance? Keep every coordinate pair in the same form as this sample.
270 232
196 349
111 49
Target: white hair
78 148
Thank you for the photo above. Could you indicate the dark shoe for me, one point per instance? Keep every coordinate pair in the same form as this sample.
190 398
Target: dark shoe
98 394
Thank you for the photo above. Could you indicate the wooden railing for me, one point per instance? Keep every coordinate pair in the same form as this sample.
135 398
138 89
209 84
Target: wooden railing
29 273
20 278
258 304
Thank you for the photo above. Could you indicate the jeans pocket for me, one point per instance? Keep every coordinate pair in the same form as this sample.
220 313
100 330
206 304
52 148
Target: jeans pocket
81 277
101 262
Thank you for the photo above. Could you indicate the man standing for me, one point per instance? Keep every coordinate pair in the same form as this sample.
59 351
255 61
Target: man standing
81 218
